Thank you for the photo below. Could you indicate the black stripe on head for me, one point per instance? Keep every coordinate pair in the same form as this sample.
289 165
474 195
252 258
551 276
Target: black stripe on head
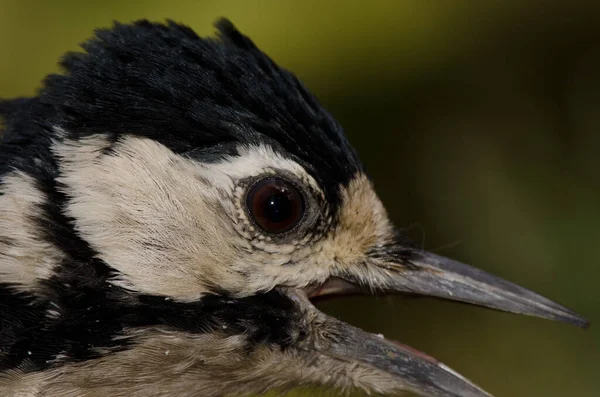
19 314
91 313
164 82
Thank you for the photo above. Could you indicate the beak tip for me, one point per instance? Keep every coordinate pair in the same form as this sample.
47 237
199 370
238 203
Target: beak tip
571 317
575 320
582 323
446 278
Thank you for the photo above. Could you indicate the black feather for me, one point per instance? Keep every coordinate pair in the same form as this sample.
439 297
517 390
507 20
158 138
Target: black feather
92 313
164 82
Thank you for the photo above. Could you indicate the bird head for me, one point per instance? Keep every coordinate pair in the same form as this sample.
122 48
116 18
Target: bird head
171 206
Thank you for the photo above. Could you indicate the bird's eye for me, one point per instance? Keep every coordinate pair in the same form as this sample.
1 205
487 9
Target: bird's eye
275 205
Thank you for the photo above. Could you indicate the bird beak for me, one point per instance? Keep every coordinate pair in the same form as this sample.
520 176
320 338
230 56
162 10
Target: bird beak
430 275
436 276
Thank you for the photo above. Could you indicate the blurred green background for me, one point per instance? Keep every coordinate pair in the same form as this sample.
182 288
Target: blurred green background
480 124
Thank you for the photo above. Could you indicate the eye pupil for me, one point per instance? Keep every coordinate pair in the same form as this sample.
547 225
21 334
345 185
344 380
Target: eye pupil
278 208
275 205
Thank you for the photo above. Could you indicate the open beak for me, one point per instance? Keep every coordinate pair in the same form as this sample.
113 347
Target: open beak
430 275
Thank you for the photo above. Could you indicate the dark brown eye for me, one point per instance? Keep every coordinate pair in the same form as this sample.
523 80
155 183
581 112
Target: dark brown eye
275 205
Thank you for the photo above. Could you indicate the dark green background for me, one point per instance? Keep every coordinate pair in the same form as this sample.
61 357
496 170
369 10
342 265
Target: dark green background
479 122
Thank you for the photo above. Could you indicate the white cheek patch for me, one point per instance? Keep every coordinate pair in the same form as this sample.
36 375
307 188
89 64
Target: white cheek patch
25 257
170 225
149 213
176 227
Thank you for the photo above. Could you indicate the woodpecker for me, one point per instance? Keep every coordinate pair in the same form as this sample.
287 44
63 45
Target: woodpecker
170 208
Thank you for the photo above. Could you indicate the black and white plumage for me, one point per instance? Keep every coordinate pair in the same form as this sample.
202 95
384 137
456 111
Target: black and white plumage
169 205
